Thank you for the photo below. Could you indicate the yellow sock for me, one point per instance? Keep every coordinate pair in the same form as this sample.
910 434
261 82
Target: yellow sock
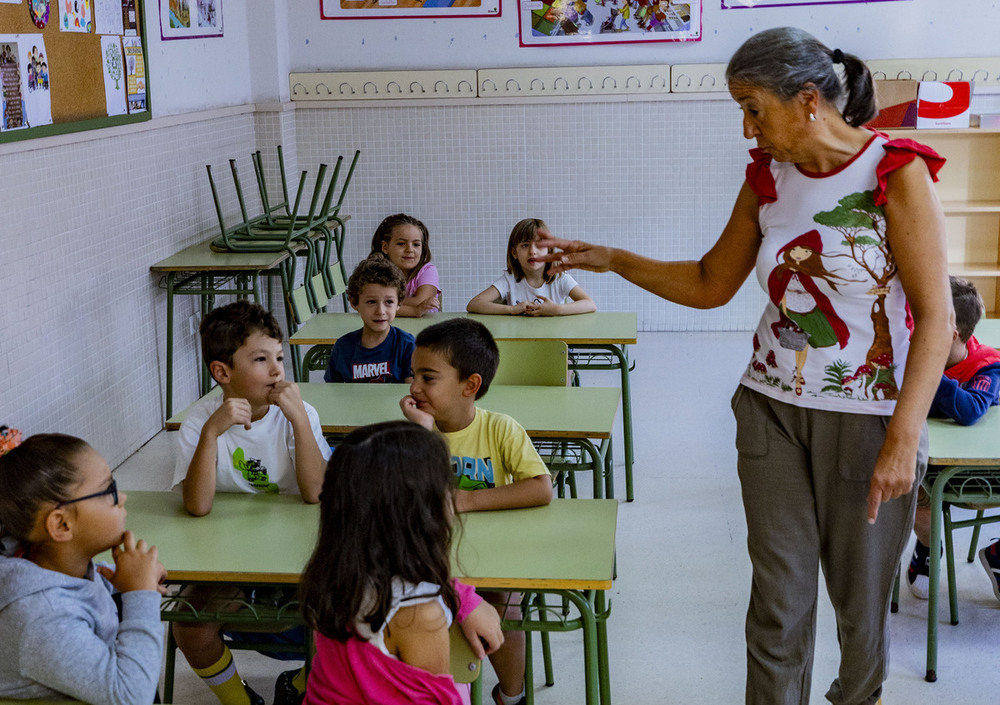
299 681
224 681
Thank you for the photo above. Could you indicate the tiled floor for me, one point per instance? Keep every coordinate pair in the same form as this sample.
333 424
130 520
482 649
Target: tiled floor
676 627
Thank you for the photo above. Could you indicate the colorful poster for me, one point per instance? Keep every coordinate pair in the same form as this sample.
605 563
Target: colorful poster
135 75
75 16
736 4
190 19
37 100
39 10
12 102
571 22
388 9
114 75
128 18
108 17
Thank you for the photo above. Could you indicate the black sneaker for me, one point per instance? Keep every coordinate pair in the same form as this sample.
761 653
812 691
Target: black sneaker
252 694
496 696
918 574
990 558
285 692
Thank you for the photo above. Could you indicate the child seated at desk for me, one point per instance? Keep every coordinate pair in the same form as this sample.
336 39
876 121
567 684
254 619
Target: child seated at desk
62 635
969 387
378 351
257 436
377 594
497 466
528 287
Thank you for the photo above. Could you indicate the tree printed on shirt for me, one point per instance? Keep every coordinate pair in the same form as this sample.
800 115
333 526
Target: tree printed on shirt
862 224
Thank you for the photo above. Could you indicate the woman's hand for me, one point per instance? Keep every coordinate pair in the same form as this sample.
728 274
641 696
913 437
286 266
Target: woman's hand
575 254
895 470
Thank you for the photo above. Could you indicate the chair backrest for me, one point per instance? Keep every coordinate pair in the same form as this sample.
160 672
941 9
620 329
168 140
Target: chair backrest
535 362
465 667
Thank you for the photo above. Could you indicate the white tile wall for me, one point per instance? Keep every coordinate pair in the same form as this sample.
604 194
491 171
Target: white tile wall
82 319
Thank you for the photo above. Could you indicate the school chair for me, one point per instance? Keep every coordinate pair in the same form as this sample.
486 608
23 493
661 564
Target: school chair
968 487
544 363
302 303
277 610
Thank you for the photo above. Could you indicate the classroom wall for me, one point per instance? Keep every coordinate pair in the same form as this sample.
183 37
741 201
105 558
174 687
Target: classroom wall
880 30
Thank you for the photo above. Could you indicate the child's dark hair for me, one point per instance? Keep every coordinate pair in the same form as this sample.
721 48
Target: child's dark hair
40 471
385 514
225 329
383 233
468 346
525 231
379 271
969 306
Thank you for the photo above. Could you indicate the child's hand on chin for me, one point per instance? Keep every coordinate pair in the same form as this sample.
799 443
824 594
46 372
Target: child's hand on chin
136 566
409 406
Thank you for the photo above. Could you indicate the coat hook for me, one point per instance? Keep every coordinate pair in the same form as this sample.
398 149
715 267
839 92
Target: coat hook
663 81
364 88
328 91
341 89
908 77
441 82
467 84
604 83
960 74
701 83
677 83
628 82
986 75
590 84
305 91
489 80
541 84
418 85
510 81
932 72
555 84
390 84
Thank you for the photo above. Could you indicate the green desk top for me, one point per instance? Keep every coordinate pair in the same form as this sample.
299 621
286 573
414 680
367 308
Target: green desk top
988 332
567 545
979 444
606 328
545 412
201 258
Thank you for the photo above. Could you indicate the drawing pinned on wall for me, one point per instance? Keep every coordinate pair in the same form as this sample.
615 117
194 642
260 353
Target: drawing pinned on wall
128 18
135 74
12 109
108 17
394 9
190 19
574 22
737 4
75 16
39 11
114 75
37 100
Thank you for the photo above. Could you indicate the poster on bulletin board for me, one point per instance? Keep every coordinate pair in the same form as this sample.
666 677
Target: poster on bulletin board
24 75
190 19
574 22
733 4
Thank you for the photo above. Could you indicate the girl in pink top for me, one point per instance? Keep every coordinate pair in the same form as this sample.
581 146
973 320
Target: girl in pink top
376 590
403 239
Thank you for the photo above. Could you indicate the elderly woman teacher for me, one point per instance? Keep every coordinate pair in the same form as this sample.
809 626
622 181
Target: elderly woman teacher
845 232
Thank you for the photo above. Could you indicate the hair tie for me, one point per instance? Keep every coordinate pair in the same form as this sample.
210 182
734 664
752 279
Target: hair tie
838 56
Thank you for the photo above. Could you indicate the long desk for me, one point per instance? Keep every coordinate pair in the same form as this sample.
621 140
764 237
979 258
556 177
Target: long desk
988 332
966 468
565 548
547 413
200 271
607 332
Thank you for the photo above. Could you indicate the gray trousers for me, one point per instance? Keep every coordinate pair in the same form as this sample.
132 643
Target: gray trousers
805 476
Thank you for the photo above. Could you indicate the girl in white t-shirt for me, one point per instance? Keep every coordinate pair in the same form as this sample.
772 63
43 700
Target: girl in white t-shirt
528 287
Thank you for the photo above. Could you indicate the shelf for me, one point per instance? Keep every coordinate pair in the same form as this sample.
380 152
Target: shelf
970 207
965 269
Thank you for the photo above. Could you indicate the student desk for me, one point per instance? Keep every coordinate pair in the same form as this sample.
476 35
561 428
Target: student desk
267 539
967 470
606 332
551 413
200 271
988 332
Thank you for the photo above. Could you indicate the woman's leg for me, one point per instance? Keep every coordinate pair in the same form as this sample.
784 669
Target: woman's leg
783 541
859 559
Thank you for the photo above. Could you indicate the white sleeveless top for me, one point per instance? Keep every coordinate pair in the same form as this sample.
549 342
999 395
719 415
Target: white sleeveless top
403 595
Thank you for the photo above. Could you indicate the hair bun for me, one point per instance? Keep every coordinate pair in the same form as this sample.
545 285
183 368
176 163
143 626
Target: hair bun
838 56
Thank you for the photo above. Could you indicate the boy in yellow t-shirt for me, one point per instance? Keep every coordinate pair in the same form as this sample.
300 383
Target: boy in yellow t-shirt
498 467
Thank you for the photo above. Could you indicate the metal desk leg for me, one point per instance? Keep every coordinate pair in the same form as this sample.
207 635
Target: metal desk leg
626 420
603 662
936 491
170 347
591 659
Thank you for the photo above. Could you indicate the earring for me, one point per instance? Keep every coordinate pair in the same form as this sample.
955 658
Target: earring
812 117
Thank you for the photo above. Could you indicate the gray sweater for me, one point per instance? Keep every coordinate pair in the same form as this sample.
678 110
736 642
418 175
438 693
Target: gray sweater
60 637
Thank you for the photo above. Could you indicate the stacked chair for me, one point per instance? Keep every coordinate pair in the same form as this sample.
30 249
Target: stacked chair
316 236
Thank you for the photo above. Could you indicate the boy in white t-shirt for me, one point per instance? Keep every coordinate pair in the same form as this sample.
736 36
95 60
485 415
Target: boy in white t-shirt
257 436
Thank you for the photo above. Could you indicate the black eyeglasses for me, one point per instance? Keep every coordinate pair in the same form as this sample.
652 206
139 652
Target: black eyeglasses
111 490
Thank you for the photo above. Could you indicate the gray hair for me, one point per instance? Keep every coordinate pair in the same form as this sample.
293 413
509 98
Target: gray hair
784 59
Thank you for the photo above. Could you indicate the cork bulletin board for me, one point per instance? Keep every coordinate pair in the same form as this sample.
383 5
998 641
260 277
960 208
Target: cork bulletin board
75 76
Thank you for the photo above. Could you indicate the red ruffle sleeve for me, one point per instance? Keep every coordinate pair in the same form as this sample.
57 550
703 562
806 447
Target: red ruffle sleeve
898 153
759 177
